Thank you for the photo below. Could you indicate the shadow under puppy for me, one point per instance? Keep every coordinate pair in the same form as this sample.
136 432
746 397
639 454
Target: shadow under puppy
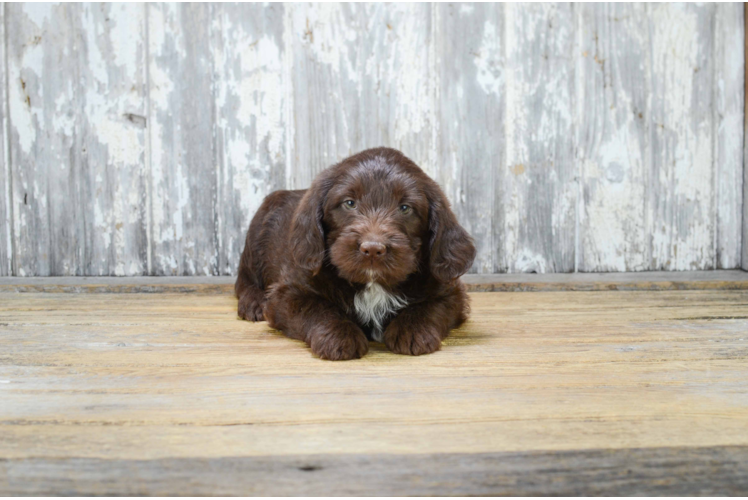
371 251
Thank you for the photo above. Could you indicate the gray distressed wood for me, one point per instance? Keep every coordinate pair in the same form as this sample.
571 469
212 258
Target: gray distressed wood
362 77
182 147
612 136
605 137
660 178
251 123
677 471
539 185
6 220
77 115
472 72
682 194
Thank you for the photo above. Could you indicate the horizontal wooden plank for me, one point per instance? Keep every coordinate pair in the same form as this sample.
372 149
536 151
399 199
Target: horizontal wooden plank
659 280
714 471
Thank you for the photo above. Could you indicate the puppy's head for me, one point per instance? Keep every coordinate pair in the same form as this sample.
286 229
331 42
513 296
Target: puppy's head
377 217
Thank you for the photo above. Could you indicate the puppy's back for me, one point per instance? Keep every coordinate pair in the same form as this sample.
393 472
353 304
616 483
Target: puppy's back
266 244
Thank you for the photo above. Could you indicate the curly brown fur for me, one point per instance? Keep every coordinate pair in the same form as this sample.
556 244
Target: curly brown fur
371 250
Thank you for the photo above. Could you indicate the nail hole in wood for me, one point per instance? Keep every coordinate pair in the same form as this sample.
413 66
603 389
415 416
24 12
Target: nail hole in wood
310 468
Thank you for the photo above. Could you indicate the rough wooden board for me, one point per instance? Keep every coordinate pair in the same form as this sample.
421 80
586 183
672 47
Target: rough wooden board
682 193
540 190
183 157
612 136
728 86
250 131
663 280
77 104
718 471
471 110
6 219
546 392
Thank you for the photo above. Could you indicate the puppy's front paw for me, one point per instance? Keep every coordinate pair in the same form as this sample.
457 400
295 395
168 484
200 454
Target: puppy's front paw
339 341
250 306
410 337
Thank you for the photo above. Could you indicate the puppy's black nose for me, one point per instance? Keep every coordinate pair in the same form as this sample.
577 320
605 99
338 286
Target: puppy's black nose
373 249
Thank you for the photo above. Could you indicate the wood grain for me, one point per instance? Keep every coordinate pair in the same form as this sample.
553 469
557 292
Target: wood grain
96 385
714 471
77 105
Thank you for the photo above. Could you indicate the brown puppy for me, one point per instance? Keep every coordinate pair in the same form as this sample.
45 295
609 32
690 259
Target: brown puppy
371 250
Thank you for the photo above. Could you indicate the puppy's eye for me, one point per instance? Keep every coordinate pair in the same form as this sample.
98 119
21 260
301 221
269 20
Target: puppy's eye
349 204
405 209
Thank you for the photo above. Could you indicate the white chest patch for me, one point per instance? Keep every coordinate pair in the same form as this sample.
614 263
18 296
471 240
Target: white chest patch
373 304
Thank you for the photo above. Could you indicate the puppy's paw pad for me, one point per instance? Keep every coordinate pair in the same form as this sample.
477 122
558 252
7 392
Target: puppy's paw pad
339 345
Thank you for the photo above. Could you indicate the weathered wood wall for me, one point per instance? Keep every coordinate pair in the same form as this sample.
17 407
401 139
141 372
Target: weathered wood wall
140 139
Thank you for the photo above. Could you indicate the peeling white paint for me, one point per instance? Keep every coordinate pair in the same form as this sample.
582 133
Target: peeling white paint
39 13
529 262
466 9
488 60
685 154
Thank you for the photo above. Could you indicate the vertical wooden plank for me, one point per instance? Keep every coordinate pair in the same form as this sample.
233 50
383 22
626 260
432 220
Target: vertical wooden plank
612 136
6 220
472 76
728 85
682 197
250 81
183 163
40 49
76 139
112 125
744 243
362 77
539 185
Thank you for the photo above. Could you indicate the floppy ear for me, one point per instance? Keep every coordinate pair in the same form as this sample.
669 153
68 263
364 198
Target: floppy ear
451 248
307 233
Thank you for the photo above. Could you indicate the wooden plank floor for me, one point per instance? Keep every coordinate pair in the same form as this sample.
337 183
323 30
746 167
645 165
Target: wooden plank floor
564 393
